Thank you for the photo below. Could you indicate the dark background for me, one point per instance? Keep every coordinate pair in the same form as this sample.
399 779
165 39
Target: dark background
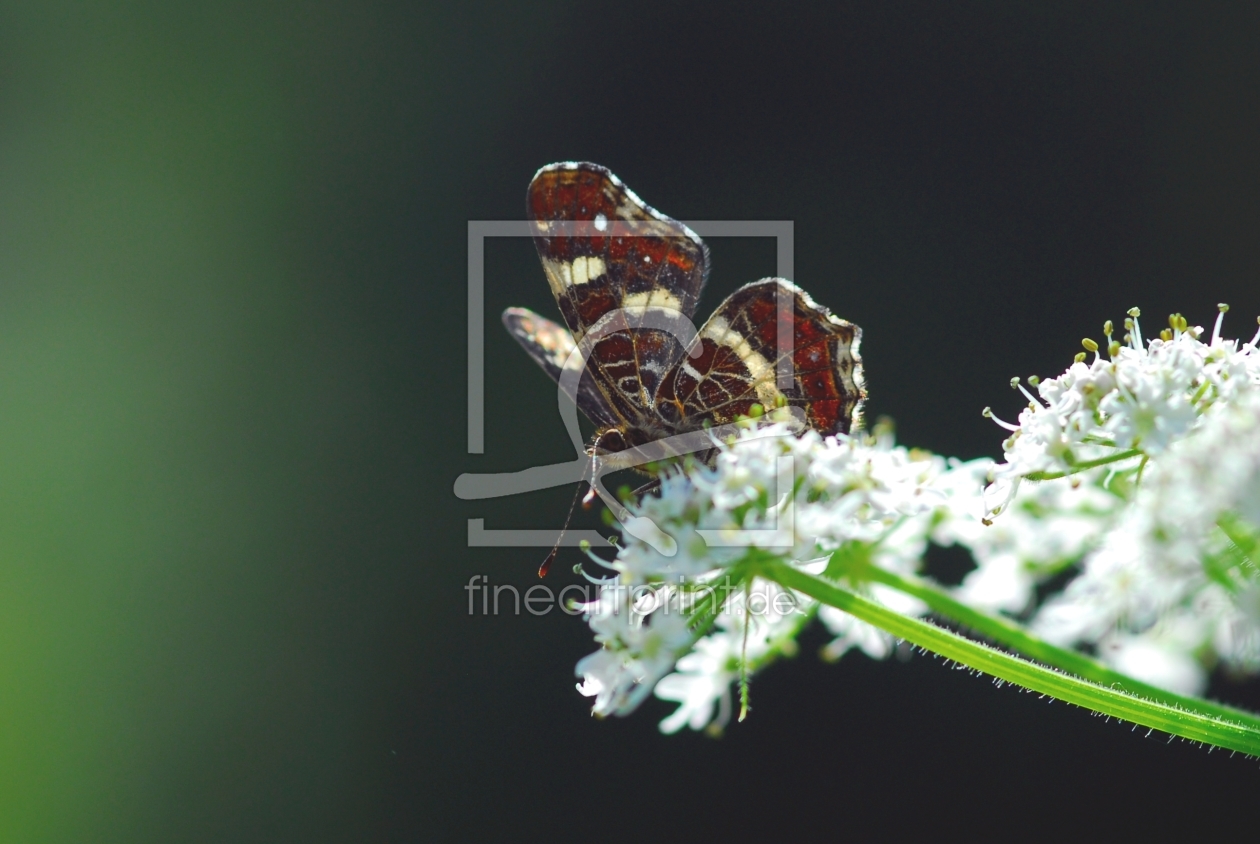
232 396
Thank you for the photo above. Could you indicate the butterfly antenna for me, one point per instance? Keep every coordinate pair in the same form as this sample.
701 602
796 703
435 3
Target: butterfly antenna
555 549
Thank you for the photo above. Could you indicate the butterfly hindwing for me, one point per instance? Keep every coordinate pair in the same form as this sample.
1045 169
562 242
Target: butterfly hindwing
737 367
551 346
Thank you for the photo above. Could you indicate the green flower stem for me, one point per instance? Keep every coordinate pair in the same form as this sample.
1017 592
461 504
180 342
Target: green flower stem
1228 733
1081 467
1245 537
1014 636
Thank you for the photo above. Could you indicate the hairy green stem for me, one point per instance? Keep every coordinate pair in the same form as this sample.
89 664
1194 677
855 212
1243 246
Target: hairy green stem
1229 732
1014 636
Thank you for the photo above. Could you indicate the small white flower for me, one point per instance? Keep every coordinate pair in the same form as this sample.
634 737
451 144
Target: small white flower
702 681
1169 666
640 640
702 685
852 633
1050 525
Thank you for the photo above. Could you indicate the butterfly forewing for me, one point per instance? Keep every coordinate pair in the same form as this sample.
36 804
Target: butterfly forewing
617 265
628 254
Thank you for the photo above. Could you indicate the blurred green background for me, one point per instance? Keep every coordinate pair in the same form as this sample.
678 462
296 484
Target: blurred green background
232 400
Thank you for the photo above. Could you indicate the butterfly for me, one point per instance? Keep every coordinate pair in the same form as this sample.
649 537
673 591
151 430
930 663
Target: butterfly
627 279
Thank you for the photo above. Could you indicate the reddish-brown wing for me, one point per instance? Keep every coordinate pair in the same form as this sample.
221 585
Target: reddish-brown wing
636 250
737 367
609 256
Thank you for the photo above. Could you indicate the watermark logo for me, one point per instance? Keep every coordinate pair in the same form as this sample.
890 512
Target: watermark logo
636 601
471 486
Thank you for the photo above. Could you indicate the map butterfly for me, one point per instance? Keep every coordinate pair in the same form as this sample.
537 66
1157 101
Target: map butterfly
621 272
640 383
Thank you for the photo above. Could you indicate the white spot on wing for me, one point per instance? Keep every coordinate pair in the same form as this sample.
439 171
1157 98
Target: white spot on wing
562 276
651 366
595 267
601 222
658 298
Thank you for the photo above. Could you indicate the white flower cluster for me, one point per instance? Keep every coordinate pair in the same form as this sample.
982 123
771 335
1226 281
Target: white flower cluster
1167 593
1143 470
1047 529
1170 593
634 654
1138 400
797 497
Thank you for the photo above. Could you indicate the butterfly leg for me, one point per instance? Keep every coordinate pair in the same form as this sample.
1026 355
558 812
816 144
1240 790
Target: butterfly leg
647 489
